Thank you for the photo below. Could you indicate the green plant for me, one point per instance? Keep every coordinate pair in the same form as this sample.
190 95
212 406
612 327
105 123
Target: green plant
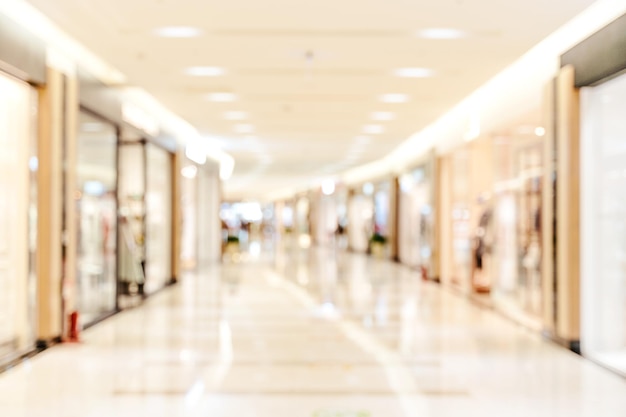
232 239
378 238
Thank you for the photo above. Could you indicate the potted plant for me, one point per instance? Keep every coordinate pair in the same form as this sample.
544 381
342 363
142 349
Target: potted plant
232 244
377 245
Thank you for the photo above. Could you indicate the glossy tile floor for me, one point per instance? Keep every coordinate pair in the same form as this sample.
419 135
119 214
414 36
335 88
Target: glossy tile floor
309 333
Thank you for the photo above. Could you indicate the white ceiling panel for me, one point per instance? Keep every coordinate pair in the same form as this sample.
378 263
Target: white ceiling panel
308 74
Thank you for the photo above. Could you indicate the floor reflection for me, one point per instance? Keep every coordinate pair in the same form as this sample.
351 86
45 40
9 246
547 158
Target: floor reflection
282 330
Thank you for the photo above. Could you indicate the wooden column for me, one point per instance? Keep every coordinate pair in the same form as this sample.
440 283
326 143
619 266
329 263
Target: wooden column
50 203
177 214
436 192
394 218
568 208
443 218
548 224
71 109
56 254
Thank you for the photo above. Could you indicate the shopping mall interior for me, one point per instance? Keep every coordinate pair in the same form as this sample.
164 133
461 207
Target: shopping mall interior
312 209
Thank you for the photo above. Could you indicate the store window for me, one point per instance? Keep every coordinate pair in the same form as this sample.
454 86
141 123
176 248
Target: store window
515 232
603 216
132 216
461 219
96 204
382 205
18 215
416 228
361 218
158 218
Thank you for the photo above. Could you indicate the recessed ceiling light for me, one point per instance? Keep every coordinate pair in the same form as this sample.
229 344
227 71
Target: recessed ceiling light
205 71
236 115
373 129
394 98
222 97
362 140
178 32
441 33
540 131
244 128
382 116
414 72
328 187
189 171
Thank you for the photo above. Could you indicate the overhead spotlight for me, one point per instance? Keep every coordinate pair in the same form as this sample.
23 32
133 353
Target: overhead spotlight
178 32
373 129
414 72
221 97
189 171
441 33
540 131
383 116
236 115
328 187
205 71
394 98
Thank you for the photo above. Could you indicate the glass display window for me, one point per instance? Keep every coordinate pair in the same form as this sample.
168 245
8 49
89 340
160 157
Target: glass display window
603 218
382 208
302 218
460 217
18 215
360 220
517 226
467 243
96 214
132 215
417 219
158 218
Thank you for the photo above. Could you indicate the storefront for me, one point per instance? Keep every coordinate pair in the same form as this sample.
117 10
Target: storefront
325 214
467 185
202 232
361 217
516 230
159 203
302 216
382 209
18 216
341 202
603 217
146 211
132 215
96 217
590 103
416 228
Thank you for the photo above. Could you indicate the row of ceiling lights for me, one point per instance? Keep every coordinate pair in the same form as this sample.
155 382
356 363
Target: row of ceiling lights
370 129
194 32
379 116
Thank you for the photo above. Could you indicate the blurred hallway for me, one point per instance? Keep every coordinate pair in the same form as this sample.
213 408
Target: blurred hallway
309 333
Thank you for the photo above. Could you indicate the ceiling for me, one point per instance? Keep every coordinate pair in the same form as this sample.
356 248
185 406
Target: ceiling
308 74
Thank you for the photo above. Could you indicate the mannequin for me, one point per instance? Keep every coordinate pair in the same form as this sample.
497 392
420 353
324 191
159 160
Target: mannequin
482 245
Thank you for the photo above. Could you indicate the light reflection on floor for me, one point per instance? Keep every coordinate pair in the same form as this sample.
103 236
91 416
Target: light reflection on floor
309 333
